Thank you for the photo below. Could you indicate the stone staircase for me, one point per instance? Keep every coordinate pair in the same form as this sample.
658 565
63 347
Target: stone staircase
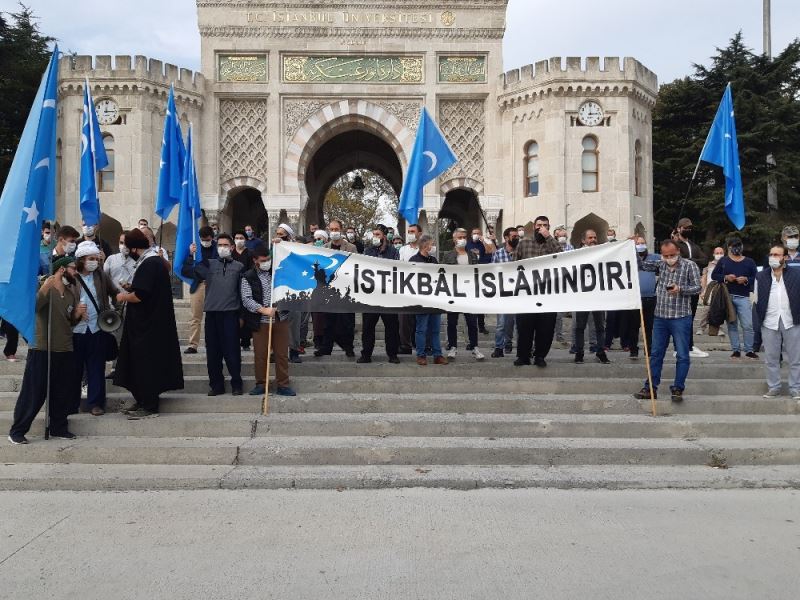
464 425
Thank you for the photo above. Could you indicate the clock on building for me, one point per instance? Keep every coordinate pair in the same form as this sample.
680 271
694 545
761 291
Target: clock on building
107 111
590 114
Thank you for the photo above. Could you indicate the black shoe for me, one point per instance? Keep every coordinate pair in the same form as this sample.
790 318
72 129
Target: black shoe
634 355
644 394
236 392
405 350
736 355
63 435
17 440
319 353
601 356
579 358
540 362
213 392
190 350
677 395
498 353
295 359
509 348
394 360
521 362
364 360
349 354
752 355
484 331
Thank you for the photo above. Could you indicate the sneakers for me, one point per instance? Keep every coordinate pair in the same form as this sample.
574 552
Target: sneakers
579 358
452 352
752 355
258 390
677 395
63 435
17 440
773 393
285 391
644 394
601 356
477 354
440 360
11 358
190 350
695 352
422 361
498 353
736 355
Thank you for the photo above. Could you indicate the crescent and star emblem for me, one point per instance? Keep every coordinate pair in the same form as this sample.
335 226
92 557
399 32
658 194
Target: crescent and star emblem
434 160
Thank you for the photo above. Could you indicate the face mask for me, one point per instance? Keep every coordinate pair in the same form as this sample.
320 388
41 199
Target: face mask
475 237
461 243
265 266
641 247
91 265
88 230
539 237
513 242
70 247
224 251
562 241
671 261
64 280
336 235
206 243
123 249
411 238
351 236
719 256
376 241
792 243
249 234
432 250
736 250
521 233
46 237
687 233
774 263
612 239
239 244
319 243
390 236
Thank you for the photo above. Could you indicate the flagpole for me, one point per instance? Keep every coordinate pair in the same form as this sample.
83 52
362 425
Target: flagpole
265 403
49 358
647 362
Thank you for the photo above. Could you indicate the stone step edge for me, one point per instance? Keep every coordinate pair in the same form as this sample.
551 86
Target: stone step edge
124 477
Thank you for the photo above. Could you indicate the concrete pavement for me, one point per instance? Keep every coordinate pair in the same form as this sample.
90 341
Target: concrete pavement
414 543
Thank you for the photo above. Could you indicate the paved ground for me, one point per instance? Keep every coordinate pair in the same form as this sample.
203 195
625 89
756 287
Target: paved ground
415 543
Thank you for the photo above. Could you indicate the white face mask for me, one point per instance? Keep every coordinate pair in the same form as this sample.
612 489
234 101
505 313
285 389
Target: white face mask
336 235
461 243
432 250
411 238
521 233
774 263
265 266
376 241
562 240
719 256
351 236
47 237
239 244
91 265
641 248
64 280
206 243
70 247
88 230
224 251
123 249
475 237
792 243
671 261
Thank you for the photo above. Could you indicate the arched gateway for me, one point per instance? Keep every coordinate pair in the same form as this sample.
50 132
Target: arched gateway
292 95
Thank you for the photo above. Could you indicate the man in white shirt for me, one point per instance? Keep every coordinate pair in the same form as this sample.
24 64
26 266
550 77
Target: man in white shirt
119 267
778 308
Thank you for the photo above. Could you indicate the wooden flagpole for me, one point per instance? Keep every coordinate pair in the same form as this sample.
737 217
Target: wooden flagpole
265 403
647 362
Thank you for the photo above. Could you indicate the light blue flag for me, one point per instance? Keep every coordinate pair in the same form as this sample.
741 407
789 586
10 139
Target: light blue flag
28 198
93 159
430 157
722 149
188 213
173 157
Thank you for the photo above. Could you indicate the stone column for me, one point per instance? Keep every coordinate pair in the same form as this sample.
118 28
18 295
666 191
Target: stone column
492 217
293 217
274 220
212 216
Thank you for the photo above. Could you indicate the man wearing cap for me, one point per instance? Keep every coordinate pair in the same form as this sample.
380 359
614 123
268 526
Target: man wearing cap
149 361
791 239
690 250
95 289
284 233
57 297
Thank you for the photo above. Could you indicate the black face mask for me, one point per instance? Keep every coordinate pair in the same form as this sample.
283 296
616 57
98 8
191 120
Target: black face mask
513 242
539 237
687 233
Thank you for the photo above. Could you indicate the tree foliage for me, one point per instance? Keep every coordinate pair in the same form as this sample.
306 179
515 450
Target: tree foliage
766 97
24 55
360 209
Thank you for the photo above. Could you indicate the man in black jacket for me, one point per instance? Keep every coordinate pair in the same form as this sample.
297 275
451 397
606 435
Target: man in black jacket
197 291
380 248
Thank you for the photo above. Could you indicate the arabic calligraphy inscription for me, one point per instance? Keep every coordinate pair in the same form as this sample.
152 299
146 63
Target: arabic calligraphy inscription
353 69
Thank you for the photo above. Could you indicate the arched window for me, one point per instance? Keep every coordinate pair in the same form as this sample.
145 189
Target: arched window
105 178
590 165
532 169
637 169
59 155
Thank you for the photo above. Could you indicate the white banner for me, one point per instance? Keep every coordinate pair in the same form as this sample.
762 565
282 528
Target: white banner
307 278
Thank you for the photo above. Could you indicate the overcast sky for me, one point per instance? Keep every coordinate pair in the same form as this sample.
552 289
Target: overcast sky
666 35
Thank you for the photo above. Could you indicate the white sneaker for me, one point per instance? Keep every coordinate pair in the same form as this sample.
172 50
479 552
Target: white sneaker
452 353
477 354
772 394
697 353
699 332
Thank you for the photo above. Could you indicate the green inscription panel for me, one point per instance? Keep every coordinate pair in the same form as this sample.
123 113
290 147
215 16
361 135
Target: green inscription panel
462 69
243 68
353 69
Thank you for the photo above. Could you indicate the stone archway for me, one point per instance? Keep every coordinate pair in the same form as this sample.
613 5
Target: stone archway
245 206
461 208
590 221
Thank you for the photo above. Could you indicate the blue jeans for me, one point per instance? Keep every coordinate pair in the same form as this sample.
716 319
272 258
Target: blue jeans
504 332
680 330
744 317
427 334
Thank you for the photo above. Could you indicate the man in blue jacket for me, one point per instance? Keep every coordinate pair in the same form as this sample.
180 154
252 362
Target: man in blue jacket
197 291
778 308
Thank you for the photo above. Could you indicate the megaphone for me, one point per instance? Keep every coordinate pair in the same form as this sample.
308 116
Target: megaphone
109 321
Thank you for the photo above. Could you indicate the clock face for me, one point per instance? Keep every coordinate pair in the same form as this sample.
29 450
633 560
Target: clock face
590 114
107 111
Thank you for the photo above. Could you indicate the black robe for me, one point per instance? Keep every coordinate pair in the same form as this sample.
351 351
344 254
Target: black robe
149 354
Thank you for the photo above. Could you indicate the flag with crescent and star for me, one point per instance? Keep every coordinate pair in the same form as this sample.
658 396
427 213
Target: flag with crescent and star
28 198
173 157
93 159
722 149
430 157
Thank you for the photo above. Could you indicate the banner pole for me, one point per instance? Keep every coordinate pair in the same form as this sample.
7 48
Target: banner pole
265 403
49 358
647 362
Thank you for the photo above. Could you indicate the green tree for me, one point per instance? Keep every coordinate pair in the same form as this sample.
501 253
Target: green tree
360 209
766 97
24 55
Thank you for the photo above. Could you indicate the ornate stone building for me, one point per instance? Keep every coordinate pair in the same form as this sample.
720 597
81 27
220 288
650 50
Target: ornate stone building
292 95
